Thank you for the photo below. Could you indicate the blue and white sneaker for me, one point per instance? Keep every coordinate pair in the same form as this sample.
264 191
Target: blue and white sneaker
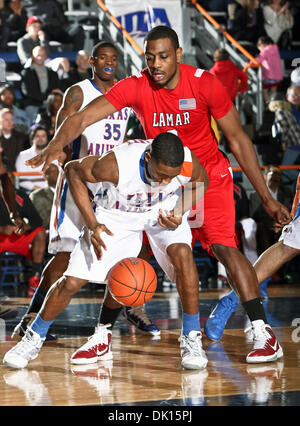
136 315
24 351
21 328
193 356
216 322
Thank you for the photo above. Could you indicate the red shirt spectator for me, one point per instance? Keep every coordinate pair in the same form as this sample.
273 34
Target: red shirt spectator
232 77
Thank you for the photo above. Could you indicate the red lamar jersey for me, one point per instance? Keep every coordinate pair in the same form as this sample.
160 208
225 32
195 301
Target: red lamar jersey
187 108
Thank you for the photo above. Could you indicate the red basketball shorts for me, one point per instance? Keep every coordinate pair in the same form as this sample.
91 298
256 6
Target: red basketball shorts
219 209
19 244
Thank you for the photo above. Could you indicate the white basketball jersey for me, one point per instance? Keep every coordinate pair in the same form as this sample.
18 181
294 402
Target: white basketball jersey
134 192
66 221
103 135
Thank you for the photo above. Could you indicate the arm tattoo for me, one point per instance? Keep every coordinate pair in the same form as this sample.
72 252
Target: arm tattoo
72 103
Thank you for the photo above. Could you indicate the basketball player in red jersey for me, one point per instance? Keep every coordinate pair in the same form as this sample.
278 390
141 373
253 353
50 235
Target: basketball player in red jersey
168 95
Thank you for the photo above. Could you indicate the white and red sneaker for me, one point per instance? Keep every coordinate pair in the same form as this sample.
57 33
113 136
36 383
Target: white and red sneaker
266 346
97 348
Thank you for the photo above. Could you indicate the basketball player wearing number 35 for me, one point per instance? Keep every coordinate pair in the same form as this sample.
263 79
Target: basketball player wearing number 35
144 181
168 95
66 222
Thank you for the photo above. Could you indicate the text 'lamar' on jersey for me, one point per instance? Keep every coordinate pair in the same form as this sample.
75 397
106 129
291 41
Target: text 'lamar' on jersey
163 119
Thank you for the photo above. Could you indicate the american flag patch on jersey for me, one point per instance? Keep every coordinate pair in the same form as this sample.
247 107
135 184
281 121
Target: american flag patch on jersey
186 104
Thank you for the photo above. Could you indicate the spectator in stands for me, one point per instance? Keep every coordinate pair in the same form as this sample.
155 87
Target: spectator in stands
34 37
13 17
231 76
42 198
38 81
293 96
295 10
287 124
55 23
62 67
287 116
31 243
249 22
270 61
278 22
232 7
7 100
295 77
7 192
11 141
47 118
38 138
266 232
82 68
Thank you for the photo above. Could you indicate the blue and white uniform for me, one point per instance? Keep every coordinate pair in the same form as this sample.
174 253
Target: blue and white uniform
66 221
131 207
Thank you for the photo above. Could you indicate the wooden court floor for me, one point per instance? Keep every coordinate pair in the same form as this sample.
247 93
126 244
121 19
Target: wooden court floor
146 371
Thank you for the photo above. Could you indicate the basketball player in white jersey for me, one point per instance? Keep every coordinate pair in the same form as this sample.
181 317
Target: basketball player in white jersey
145 181
269 262
66 221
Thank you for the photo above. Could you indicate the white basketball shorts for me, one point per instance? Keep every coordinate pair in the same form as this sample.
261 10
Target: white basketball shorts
66 221
290 234
126 242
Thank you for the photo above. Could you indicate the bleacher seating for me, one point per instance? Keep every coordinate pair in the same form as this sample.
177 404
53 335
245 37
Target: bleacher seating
12 269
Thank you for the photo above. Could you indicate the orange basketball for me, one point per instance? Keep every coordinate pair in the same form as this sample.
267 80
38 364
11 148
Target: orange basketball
132 281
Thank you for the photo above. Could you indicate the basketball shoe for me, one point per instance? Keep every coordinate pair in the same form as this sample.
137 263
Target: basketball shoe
266 346
24 351
20 329
216 322
137 316
192 353
97 348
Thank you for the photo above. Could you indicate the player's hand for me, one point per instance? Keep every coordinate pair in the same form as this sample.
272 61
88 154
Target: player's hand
169 220
47 156
96 239
19 223
278 211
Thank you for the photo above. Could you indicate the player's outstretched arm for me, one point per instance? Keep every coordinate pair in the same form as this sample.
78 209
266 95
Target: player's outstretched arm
72 102
91 169
70 129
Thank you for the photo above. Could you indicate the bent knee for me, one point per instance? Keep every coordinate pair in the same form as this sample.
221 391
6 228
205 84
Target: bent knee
223 251
180 254
72 284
